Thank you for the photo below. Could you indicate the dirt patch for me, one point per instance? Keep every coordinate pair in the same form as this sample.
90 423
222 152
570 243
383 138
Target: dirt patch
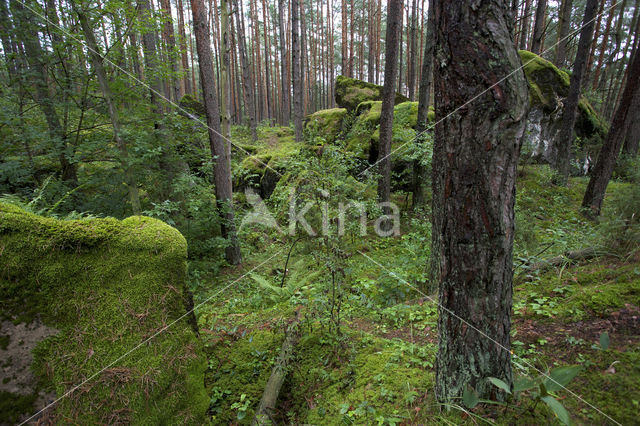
16 377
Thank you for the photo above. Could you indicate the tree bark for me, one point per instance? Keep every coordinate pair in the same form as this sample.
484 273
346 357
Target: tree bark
286 103
394 28
625 113
566 135
477 148
220 151
413 42
603 46
295 64
170 42
563 32
524 33
246 75
225 82
538 27
183 49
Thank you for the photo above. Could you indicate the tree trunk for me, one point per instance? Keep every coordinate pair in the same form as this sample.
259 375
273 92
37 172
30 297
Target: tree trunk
183 49
411 71
566 136
170 41
563 32
626 112
608 67
96 60
477 149
424 97
524 33
286 103
225 83
267 61
603 47
343 27
295 64
538 27
632 139
246 75
394 28
219 148
594 41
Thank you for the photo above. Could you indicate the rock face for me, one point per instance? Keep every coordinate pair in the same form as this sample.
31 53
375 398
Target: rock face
350 92
103 300
548 88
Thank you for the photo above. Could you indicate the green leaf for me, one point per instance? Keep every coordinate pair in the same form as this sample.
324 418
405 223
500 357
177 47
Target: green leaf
604 341
241 415
557 409
470 398
561 376
523 383
499 383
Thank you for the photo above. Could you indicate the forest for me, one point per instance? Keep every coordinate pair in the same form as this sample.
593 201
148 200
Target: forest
319 212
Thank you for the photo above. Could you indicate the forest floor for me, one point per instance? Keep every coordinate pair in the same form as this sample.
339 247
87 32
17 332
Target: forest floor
369 340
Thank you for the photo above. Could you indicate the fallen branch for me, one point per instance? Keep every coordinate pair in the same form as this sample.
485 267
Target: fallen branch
279 373
584 254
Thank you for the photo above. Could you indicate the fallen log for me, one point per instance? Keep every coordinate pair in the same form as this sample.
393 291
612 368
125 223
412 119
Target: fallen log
264 412
544 265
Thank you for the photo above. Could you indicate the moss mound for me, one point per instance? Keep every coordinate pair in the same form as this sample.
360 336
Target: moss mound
350 92
192 105
326 123
112 288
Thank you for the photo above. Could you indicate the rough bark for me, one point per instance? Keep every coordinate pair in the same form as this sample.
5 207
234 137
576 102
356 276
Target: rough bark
225 50
183 49
343 27
524 33
296 65
424 98
477 148
625 113
603 46
563 32
219 147
98 67
246 75
632 138
394 19
286 103
411 66
538 27
569 114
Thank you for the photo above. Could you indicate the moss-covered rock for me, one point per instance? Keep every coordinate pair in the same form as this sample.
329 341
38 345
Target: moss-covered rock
326 123
116 291
350 92
193 106
548 89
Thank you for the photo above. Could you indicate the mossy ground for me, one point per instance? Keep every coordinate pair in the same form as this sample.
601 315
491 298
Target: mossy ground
379 368
108 286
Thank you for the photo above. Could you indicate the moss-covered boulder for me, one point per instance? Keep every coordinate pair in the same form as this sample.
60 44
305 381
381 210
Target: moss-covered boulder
548 89
326 123
350 92
115 293
193 106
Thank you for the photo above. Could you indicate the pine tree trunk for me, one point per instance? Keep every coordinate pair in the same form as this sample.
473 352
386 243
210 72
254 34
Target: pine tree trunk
566 135
225 86
219 147
603 46
246 75
411 78
295 63
394 29
344 40
170 41
286 103
524 33
183 49
566 8
626 112
596 34
476 150
424 97
98 67
538 27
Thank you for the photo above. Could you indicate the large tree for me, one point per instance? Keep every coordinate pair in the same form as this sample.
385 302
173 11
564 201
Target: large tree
476 153
623 120
394 19
296 75
566 7
220 149
569 114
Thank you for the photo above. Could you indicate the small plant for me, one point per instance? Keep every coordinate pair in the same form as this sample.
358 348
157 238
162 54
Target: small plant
242 406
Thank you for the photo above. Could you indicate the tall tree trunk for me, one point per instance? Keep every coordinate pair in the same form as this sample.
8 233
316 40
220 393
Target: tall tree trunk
96 60
596 34
351 39
626 112
267 60
424 97
295 64
394 28
225 51
28 34
524 33
564 24
343 27
286 103
476 153
170 42
401 49
608 68
538 27
603 47
413 42
220 150
183 49
566 136
632 138
246 75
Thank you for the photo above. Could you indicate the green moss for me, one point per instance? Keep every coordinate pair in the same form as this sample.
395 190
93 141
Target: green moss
13 406
350 92
546 81
326 123
4 342
588 123
108 285
193 106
